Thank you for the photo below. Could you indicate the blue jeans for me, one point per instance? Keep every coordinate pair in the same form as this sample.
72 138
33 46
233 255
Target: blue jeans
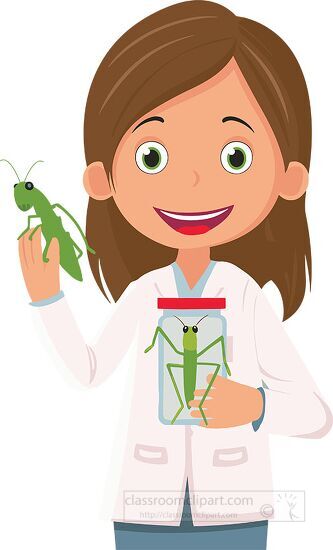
243 536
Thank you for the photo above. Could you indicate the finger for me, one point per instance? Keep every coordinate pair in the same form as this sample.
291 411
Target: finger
196 402
219 380
22 255
196 413
202 391
27 247
36 247
53 253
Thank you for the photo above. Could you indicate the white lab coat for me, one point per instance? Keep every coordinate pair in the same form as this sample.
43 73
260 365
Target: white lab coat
158 458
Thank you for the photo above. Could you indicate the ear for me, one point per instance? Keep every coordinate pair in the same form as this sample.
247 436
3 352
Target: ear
294 181
96 182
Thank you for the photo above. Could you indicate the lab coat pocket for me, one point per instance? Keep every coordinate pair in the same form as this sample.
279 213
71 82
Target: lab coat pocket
230 457
151 454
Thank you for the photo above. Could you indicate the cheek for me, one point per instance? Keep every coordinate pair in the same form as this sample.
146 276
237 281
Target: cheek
130 188
137 197
254 194
136 194
258 189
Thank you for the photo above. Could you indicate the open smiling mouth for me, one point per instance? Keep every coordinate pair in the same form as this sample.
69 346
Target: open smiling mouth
194 223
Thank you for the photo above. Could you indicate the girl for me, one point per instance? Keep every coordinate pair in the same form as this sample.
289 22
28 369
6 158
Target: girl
197 140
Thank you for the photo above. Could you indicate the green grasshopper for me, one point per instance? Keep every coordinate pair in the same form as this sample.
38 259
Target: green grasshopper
27 196
190 364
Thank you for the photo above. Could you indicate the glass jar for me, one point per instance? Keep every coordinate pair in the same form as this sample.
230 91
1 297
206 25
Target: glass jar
188 328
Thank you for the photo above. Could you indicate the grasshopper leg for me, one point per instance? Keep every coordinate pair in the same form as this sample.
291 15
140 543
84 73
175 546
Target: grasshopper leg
174 383
76 246
45 251
23 232
58 205
34 231
218 366
159 330
221 340
28 226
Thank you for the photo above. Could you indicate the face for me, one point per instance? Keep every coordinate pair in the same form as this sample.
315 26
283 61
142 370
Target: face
190 337
202 169
23 195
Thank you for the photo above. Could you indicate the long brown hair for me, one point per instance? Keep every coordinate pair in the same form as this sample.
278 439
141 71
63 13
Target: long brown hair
165 54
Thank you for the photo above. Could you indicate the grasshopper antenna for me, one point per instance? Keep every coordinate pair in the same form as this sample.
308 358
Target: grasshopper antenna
201 319
31 169
5 160
179 320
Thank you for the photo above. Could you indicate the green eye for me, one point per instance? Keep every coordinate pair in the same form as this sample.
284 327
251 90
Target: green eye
236 157
151 157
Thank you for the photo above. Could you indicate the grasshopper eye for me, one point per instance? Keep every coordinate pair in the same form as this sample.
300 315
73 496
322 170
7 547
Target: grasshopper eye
195 328
185 328
29 185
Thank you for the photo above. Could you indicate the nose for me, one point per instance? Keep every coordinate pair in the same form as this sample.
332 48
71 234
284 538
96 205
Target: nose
196 178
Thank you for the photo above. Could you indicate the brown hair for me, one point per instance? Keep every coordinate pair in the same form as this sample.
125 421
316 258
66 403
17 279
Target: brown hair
165 54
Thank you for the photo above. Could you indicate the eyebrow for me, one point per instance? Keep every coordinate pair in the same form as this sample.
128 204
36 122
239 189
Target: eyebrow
237 119
150 119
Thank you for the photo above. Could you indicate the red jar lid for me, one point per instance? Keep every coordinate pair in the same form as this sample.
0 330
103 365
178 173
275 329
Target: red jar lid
191 303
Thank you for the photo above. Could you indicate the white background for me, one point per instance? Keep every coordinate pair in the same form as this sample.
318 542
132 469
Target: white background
56 441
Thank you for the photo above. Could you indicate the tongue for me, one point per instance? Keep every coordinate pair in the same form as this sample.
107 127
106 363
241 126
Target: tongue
193 229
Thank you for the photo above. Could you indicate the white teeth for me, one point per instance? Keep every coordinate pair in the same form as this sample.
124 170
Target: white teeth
194 217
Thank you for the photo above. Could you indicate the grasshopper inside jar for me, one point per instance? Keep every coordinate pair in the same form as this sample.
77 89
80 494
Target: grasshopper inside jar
192 340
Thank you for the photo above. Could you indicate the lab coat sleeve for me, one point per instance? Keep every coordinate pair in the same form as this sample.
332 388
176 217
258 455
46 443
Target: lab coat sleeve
91 364
294 405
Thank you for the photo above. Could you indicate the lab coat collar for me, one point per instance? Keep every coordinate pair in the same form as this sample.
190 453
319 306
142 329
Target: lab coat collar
165 283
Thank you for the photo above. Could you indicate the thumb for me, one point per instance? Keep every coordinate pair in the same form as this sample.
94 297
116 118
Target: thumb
53 253
217 381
